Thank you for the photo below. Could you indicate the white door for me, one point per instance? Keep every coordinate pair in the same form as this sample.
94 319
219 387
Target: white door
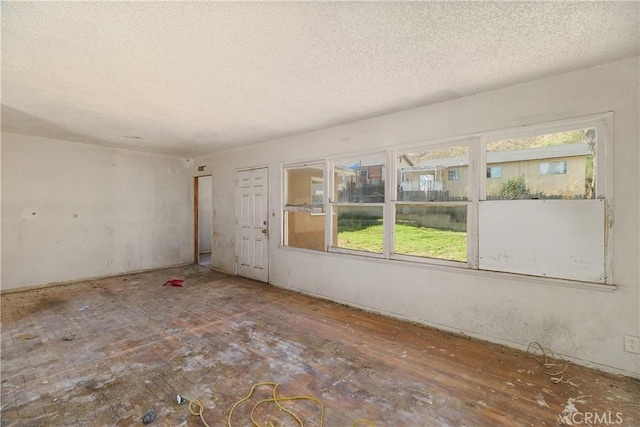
252 223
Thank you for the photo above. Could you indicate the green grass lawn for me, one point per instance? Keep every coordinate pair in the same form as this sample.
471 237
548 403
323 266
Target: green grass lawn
410 240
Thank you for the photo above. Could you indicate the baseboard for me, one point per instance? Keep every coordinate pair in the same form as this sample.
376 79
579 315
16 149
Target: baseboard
69 282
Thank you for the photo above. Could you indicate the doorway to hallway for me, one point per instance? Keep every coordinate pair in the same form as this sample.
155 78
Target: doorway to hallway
202 224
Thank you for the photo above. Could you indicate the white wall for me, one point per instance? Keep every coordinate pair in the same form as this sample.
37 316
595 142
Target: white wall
67 208
584 324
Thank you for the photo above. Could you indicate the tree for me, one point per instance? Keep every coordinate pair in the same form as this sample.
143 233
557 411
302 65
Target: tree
514 188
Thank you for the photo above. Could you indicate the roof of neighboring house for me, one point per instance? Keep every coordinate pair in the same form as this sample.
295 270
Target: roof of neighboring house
539 153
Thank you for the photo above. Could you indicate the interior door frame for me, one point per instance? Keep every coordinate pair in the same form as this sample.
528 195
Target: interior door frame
196 217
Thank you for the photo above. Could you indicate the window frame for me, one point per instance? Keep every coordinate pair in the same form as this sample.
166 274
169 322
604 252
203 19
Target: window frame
312 209
477 184
394 202
333 205
604 124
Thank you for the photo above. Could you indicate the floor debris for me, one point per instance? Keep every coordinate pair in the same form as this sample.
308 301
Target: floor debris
149 416
28 336
540 400
554 364
174 282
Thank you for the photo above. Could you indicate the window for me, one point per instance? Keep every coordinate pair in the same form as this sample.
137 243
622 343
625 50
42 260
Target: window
545 216
431 219
544 166
553 168
494 172
304 224
539 210
358 203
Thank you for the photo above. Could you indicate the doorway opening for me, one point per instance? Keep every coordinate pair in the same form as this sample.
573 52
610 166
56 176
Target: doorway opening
202 224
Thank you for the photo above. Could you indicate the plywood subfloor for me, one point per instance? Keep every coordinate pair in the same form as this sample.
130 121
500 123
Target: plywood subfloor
103 352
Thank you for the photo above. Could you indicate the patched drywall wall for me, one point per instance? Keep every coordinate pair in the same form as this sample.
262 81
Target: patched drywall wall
73 211
585 324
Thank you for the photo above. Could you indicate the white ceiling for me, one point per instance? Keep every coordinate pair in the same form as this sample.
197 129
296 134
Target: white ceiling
194 78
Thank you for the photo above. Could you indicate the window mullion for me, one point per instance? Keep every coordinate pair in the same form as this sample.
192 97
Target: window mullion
476 166
480 174
388 219
604 187
603 133
328 203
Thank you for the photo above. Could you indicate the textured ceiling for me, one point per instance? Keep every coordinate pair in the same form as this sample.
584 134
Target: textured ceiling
190 79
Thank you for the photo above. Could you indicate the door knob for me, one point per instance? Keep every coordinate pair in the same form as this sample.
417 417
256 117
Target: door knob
264 231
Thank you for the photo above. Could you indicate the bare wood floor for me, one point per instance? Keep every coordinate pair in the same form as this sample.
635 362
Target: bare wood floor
104 352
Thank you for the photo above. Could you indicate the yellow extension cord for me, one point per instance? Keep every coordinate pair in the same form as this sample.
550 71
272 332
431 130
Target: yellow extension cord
553 365
196 407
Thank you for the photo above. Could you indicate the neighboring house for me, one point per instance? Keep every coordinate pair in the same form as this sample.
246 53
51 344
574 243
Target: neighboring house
433 179
361 183
558 171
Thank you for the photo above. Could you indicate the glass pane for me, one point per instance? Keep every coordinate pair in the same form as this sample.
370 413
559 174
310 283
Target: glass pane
358 228
359 180
317 190
304 230
551 166
305 185
434 175
431 231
